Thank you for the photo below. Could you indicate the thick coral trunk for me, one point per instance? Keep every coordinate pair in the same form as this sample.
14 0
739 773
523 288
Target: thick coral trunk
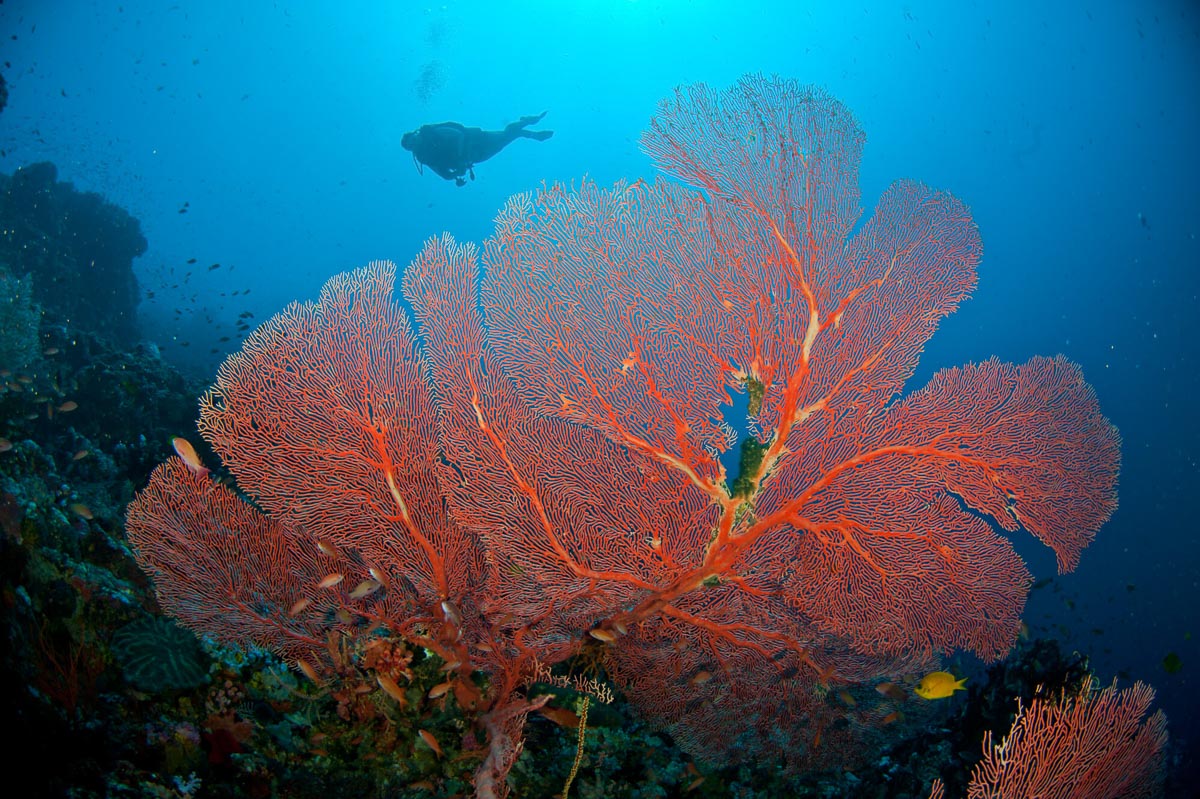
503 724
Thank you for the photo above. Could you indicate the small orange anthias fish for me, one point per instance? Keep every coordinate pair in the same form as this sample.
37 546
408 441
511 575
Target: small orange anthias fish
939 685
431 742
185 450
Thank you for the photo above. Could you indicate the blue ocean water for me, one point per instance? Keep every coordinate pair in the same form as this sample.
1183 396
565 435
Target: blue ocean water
265 138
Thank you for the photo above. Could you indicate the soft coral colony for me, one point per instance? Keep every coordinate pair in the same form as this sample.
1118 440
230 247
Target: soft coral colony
532 466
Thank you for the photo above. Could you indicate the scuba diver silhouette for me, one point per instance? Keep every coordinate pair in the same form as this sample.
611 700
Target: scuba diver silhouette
452 150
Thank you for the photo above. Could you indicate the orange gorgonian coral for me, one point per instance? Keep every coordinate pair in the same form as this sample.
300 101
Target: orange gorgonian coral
533 467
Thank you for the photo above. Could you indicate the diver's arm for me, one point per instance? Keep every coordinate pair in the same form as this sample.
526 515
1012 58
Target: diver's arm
445 172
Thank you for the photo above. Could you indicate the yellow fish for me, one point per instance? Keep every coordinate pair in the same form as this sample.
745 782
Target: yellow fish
939 685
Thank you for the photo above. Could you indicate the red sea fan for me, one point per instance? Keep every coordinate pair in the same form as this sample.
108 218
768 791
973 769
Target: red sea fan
1097 745
540 471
